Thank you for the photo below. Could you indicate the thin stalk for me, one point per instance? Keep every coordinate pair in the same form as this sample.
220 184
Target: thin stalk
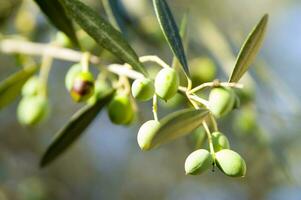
44 74
155 107
153 58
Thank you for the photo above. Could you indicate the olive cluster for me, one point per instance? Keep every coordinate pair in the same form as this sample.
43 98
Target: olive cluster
228 161
121 109
221 101
83 87
34 106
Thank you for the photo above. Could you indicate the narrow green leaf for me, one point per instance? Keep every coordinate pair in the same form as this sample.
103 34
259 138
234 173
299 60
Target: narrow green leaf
183 35
73 129
11 87
249 50
102 32
178 124
112 9
171 32
56 14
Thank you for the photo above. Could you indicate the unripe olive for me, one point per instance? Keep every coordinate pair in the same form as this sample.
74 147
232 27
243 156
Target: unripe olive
83 86
231 163
143 89
120 109
32 110
221 101
100 89
72 72
198 161
202 70
146 133
31 87
220 141
166 83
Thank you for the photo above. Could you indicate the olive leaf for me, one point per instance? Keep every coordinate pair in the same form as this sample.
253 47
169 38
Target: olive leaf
178 124
102 32
73 129
11 87
183 35
171 32
56 14
113 11
249 50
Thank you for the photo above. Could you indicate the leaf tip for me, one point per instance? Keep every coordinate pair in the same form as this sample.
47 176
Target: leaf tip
265 18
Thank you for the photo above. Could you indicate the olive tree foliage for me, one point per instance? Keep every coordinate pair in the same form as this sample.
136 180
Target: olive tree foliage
118 86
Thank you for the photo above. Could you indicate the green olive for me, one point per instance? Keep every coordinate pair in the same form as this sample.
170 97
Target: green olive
32 110
221 101
202 70
31 87
100 89
72 72
220 141
83 87
120 109
143 89
146 133
231 163
166 83
198 162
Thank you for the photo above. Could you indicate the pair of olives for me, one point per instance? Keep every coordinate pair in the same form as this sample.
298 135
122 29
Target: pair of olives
165 86
228 161
79 83
34 106
222 100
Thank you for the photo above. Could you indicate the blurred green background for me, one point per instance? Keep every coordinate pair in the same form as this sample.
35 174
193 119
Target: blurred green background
106 163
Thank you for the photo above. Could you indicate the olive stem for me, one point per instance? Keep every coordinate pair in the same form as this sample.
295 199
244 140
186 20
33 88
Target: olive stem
155 107
85 61
153 58
211 147
44 73
10 46
123 70
215 84
199 100
189 83
124 83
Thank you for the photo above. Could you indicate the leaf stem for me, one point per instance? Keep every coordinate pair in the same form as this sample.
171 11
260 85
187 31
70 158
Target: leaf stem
155 107
199 100
124 70
215 84
85 61
153 58
44 74
211 147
